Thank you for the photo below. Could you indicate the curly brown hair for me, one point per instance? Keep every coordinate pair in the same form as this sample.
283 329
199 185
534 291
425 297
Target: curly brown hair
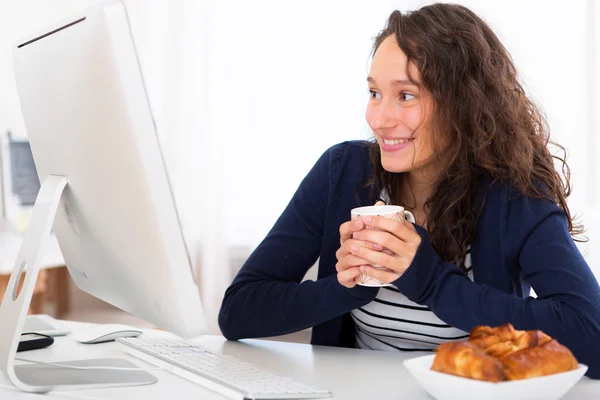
488 123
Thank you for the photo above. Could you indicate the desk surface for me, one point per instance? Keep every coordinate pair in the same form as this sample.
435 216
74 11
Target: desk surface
343 371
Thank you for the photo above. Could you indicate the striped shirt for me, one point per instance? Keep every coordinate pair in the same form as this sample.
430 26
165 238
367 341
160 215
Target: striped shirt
392 322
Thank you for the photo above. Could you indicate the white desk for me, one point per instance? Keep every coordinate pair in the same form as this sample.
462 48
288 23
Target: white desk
343 371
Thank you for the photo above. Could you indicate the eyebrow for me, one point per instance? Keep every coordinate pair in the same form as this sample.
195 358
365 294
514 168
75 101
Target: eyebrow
399 81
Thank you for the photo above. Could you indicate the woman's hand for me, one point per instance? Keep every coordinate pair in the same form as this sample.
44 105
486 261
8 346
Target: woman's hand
348 264
401 239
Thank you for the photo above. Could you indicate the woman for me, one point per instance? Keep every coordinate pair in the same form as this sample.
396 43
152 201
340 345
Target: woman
459 144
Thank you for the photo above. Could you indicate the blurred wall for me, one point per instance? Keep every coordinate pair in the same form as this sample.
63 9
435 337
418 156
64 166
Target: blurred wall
248 94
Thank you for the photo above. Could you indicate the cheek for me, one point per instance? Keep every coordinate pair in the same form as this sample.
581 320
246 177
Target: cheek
412 118
370 114
424 149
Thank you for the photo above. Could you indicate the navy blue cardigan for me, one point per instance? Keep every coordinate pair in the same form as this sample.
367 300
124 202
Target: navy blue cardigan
520 241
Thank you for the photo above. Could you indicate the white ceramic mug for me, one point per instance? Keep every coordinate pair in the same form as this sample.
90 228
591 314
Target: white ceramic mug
397 213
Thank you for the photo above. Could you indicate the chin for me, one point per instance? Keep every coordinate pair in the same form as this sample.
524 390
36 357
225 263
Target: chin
395 166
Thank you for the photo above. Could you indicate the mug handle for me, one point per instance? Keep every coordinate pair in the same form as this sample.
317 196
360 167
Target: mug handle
409 216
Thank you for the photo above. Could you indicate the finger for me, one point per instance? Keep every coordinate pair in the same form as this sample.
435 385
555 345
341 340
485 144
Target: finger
380 203
345 231
398 229
346 278
364 243
353 261
347 228
345 247
377 257
357 224
350 261
382 239
344 250
411 226
379 274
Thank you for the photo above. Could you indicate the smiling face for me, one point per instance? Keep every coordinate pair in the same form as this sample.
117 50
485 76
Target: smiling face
399 111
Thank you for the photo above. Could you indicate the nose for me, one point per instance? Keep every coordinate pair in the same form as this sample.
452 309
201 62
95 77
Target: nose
382 116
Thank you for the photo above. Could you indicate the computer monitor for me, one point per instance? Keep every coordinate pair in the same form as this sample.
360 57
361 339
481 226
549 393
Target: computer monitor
88 119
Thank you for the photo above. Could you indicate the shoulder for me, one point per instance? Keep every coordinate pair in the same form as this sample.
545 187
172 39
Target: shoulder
357 150
513 201
348 159
514 211
349 169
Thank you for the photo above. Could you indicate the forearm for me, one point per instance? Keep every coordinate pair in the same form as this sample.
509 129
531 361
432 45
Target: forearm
263 308
571 319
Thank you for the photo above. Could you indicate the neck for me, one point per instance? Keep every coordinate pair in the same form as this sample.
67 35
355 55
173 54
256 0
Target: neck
417 189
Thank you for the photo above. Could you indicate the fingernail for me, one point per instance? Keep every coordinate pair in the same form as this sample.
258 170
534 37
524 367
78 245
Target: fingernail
377 246
355 235
363 268
354 249
357 224
368 220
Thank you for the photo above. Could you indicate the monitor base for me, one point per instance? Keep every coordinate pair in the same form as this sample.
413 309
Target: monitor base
58 378
15 304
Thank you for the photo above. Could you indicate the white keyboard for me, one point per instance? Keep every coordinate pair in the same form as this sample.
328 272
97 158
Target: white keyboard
224 374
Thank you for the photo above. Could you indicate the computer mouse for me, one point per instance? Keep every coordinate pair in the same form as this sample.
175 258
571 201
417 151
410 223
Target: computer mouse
104 333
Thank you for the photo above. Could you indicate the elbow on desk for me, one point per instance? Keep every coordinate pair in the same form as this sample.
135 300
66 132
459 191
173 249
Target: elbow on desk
233 319
593 373
590 356
228 333
227 327
585 348
593 364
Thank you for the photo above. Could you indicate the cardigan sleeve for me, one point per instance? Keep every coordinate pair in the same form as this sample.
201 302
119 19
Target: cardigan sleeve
567 306
268 296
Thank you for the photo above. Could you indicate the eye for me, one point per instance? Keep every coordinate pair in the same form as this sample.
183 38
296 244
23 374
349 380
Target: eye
374 95
406 96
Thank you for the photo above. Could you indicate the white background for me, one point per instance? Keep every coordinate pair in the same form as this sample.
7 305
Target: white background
248 94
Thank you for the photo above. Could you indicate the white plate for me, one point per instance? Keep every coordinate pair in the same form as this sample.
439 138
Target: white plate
446 386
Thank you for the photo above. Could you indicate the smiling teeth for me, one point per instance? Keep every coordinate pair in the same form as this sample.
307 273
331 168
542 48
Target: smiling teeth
395 141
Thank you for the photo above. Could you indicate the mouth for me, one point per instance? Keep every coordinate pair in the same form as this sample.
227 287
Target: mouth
395 144
392 142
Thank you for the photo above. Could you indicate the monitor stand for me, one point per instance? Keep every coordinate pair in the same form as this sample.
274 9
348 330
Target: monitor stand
13 310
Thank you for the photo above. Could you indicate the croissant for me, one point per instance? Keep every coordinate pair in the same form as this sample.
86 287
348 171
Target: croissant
503 353
547 359
504 339
467 360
